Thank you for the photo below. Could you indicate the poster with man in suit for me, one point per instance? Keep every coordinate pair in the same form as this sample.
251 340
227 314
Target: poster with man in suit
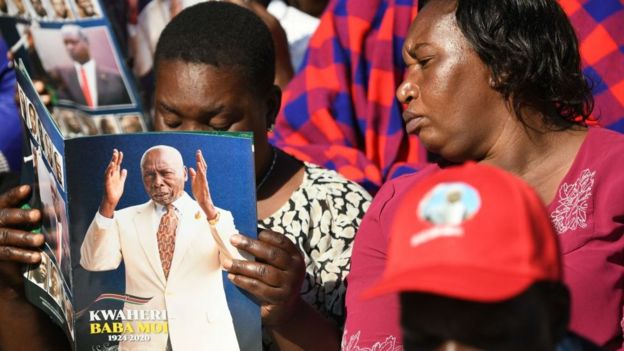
170 246
85 82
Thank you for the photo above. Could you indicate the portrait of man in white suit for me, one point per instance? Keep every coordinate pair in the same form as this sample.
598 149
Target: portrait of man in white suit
169 250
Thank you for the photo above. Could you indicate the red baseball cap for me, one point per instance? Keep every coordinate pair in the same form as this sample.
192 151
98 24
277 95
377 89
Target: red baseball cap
471 232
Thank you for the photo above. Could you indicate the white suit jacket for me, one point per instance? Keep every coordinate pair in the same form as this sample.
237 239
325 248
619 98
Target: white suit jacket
193 295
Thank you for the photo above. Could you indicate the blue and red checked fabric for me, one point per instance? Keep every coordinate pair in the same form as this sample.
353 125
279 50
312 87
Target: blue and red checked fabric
340 110
599 25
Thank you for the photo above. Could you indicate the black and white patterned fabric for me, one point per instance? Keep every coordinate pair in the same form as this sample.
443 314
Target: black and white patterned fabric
322 217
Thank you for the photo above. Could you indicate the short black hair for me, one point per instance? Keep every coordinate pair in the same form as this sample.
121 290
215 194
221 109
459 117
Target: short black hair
532 51
221 34
535 319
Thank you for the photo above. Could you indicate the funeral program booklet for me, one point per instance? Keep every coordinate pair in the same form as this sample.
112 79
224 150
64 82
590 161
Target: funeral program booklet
136 228
71 48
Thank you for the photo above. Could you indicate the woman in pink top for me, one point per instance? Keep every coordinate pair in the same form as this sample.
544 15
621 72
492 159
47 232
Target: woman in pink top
499 82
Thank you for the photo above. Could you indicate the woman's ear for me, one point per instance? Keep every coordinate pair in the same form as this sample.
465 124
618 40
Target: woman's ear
274 102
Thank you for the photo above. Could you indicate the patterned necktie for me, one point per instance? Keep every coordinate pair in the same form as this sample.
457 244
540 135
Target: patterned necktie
85 87
166 238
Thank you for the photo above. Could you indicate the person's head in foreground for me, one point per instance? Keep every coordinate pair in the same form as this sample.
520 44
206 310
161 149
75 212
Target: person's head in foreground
489 282
214 69
164 174
480 70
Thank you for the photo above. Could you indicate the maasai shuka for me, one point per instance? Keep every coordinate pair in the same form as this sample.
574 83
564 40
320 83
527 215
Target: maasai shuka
599 25
340 111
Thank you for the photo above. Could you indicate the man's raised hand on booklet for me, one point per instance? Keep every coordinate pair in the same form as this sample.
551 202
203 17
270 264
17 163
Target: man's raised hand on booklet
114 180
199 185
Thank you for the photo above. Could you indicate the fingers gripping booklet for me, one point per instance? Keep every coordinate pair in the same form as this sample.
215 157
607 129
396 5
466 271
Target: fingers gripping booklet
137 227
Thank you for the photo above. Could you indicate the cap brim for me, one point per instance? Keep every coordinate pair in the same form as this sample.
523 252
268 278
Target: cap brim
467 283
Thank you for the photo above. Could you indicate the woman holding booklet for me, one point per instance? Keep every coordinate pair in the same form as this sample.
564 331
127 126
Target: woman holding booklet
203 83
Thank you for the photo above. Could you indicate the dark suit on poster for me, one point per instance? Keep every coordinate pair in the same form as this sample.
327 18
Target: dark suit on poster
110 87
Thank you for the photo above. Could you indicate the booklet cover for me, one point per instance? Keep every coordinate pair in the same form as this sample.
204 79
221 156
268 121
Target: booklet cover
70 47
147 276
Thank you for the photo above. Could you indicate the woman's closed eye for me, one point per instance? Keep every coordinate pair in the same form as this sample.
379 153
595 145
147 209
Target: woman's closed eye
222 121
221 127
422 62
169 116
172 123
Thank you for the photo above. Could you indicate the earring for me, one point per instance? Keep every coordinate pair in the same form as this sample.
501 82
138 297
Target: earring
491 82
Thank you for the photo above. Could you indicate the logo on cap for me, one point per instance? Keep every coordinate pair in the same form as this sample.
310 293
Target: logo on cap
446 206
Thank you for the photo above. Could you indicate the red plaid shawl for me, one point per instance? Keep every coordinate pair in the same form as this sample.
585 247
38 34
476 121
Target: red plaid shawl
340 110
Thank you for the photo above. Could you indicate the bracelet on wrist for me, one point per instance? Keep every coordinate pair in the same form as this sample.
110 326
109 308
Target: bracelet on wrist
215 219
